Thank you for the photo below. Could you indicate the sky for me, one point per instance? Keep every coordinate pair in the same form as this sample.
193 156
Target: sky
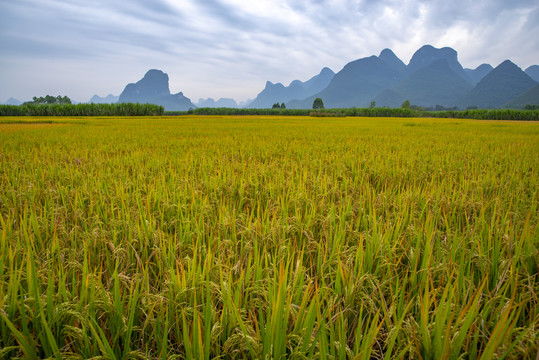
230 48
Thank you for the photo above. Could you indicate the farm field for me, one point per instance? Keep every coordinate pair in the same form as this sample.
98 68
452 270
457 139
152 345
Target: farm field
203 237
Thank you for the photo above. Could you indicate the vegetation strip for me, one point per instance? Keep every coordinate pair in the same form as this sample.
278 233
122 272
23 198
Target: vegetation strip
120 109
479 114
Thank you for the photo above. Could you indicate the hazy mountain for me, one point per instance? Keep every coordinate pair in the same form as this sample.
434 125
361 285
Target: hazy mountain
478 73
529 97
152 86
278 93
13 101
222 102
357 83
153 89
315 84
271 94
428 55
392 60
245 103
389 98
109 99
435 84
533 72
502 84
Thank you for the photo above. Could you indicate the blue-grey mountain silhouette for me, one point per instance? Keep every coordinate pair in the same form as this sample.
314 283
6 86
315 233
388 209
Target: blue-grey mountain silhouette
435 84
222 102
478 73
528 97
432 77
13 101
533 72
357 83
428 55
109 99
392 60
501 85
278 93
153 88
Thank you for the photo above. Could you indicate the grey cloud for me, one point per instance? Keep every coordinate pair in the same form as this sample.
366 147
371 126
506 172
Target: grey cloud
532 22
205 45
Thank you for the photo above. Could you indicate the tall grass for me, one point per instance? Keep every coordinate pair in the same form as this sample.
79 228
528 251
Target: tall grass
238 237
119 109
478 114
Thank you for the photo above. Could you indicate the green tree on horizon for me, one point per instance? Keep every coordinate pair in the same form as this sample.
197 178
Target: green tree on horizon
49 99
318 104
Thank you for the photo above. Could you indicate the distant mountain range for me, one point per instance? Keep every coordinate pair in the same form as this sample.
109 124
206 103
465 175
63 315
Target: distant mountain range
498 87
533 72
475 75
13 101
109 99
433 78
222 102
357 83
278 93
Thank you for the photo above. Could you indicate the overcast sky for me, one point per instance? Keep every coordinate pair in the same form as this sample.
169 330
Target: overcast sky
229 48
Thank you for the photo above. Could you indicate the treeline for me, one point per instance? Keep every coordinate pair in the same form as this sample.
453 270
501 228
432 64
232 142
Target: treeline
238 111
371 112
130 109
486 114
49 100
119 109
478 114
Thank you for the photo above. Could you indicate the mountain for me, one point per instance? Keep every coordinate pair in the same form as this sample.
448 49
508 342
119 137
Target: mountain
478 73
278 93
109 99
529 97
153 88
392 60
222 102
533 72
13 101
428 55
502 84
435 84
245 103
271 94
357 83
315 84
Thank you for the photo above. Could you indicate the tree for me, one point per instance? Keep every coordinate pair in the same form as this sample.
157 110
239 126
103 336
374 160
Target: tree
276 106
283 106
372 105
49 99
318 104
406 104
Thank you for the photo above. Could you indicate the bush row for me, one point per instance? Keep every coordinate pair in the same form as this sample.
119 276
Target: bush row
130 109
479 114
242 111
486 114
120 109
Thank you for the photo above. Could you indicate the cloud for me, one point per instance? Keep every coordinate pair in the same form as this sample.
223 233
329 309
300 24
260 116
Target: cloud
229 48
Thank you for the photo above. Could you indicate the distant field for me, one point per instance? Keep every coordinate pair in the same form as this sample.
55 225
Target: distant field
268 237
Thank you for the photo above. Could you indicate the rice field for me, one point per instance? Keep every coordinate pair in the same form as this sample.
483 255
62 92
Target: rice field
215 237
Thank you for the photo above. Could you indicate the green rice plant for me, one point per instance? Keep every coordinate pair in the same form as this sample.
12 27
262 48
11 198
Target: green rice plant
271 237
